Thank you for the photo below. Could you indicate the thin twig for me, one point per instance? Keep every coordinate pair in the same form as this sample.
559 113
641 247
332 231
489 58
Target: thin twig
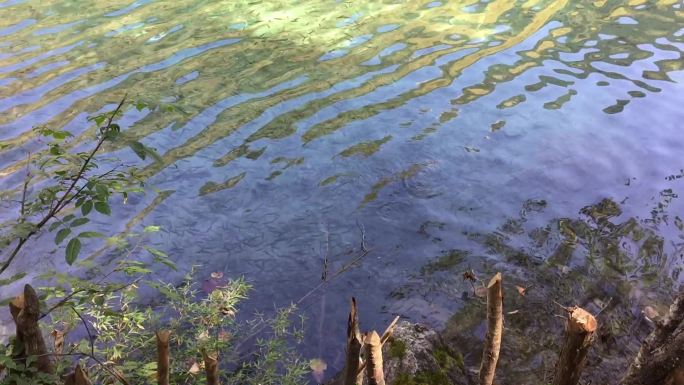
604 307
25 188
65 199
363 235
113 372
85 324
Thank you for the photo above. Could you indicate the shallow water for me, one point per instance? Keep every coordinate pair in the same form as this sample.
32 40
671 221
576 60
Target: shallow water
300 123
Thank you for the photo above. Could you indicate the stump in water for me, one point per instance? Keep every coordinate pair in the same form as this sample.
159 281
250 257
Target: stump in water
374 369
579 335
25 312
163 357
211 367
661 357
352 373
78 377
490 354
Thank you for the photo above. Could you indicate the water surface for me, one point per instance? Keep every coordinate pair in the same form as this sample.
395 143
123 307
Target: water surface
301 125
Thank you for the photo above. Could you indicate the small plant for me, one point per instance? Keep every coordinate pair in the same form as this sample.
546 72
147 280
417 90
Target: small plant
59 182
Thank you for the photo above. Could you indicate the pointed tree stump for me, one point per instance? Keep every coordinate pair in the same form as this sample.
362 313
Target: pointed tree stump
163 356
661 357
25 312
374 369
211 367
579 335
352 373
490 354
78 377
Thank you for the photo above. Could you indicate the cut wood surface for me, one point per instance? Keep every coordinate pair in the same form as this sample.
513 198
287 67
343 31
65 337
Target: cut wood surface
163 356
661 357
579 334
490 354
374 367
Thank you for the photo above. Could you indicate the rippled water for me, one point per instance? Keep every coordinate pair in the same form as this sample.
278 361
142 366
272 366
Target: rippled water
298 123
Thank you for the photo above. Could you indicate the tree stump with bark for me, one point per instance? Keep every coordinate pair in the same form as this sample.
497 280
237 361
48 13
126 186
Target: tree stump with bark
580 330
25 312
490 354
661 357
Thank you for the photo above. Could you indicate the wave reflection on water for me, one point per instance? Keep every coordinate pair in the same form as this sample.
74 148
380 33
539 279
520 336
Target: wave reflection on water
294 121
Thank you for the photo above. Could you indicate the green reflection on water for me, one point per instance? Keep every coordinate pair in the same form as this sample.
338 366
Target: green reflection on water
282 40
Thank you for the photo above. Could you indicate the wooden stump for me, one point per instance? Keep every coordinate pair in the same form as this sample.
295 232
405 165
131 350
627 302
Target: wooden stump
374 367
25 312
579 335
661 357
163 356
352 373
78 377
490 354
211 367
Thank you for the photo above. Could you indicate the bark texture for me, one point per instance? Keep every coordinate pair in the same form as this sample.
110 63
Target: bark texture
661 357
352 373
163 357
374 367
25 312
580 330
211 367
78 377
490 354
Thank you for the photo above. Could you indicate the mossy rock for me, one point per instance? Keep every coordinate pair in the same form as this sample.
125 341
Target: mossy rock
417 355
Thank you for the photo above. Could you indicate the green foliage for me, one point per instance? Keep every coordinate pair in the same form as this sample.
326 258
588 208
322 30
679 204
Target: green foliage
60 180
110 323
22 373
397 349
107 307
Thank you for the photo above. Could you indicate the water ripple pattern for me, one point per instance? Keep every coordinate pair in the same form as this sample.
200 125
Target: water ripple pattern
295 120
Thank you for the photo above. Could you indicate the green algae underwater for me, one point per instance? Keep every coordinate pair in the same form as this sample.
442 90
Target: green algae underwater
540 138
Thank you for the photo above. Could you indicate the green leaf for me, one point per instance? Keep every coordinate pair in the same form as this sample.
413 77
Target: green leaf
61 235
72 250
161 257
103 207
68 218
155 252
102 191
87 206
14 278
140 106
90 234
79 222
151 229
99 119
54 226
139 149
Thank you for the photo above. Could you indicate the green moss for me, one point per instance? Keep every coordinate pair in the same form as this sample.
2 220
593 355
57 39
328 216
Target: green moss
446 261
423 378
448 359
397 349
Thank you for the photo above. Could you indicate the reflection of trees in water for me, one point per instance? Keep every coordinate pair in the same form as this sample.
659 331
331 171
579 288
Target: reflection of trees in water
285 40
623 269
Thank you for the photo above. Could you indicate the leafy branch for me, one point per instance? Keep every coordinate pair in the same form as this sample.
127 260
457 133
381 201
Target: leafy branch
24 230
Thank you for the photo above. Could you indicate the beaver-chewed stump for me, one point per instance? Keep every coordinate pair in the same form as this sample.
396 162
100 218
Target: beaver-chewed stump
416 354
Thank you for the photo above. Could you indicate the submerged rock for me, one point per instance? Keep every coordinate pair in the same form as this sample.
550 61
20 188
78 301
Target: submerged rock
417 355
